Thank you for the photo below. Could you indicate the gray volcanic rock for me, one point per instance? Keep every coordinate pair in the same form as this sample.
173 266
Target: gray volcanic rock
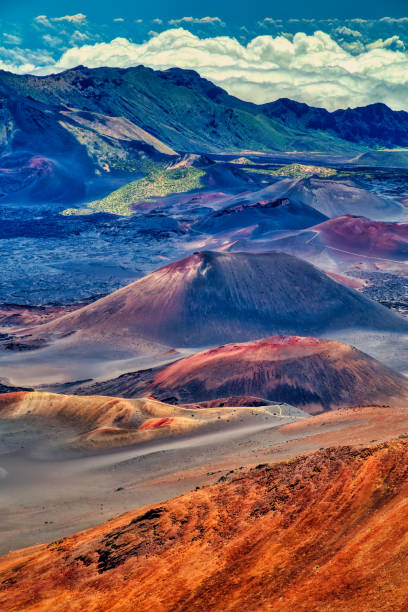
5 387
264 215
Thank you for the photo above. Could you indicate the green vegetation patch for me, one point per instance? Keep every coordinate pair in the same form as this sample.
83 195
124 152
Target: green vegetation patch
303 171
158 183
77 211
295 171
244 161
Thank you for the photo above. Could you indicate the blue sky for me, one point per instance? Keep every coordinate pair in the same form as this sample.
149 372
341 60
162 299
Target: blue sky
230 10
350 54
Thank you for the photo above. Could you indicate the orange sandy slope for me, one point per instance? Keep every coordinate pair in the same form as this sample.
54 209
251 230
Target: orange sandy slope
322 532
103 422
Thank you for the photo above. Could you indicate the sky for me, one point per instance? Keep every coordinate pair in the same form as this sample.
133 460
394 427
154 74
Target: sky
234 11
351 54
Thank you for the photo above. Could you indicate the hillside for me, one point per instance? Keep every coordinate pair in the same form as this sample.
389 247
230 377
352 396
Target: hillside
392 158
312 374
343 241
94 423
263 215
375 124
303 534
212 297
177 107
84 120
334 198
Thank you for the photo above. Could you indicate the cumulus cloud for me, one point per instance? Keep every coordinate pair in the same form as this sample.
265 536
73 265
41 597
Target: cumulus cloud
210 20
391 42
310 68
394 19
47 22
355 47
78 37
11 39
22 60
119 19
43 20
77 19
345 31
53 41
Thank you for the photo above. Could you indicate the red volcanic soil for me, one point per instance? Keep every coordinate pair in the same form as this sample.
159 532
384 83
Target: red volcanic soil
155 423
10 398
364 236
310 373
354 283
299 535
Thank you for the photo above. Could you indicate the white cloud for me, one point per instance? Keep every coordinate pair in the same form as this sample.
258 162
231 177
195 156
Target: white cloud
53 41
345 31
392 42
394 19
355 47
270 21
119 19
23 60
78 37
11 39
158 21
77 19
43 20
210 20
310 68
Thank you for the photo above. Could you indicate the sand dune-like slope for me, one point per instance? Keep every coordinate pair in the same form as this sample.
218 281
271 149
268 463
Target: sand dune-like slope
310 373
334 198
106 422
212 297
366 236
263 216
298 535
348 236
329 197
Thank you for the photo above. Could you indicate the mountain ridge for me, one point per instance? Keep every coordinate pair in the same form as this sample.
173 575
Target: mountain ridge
104 119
